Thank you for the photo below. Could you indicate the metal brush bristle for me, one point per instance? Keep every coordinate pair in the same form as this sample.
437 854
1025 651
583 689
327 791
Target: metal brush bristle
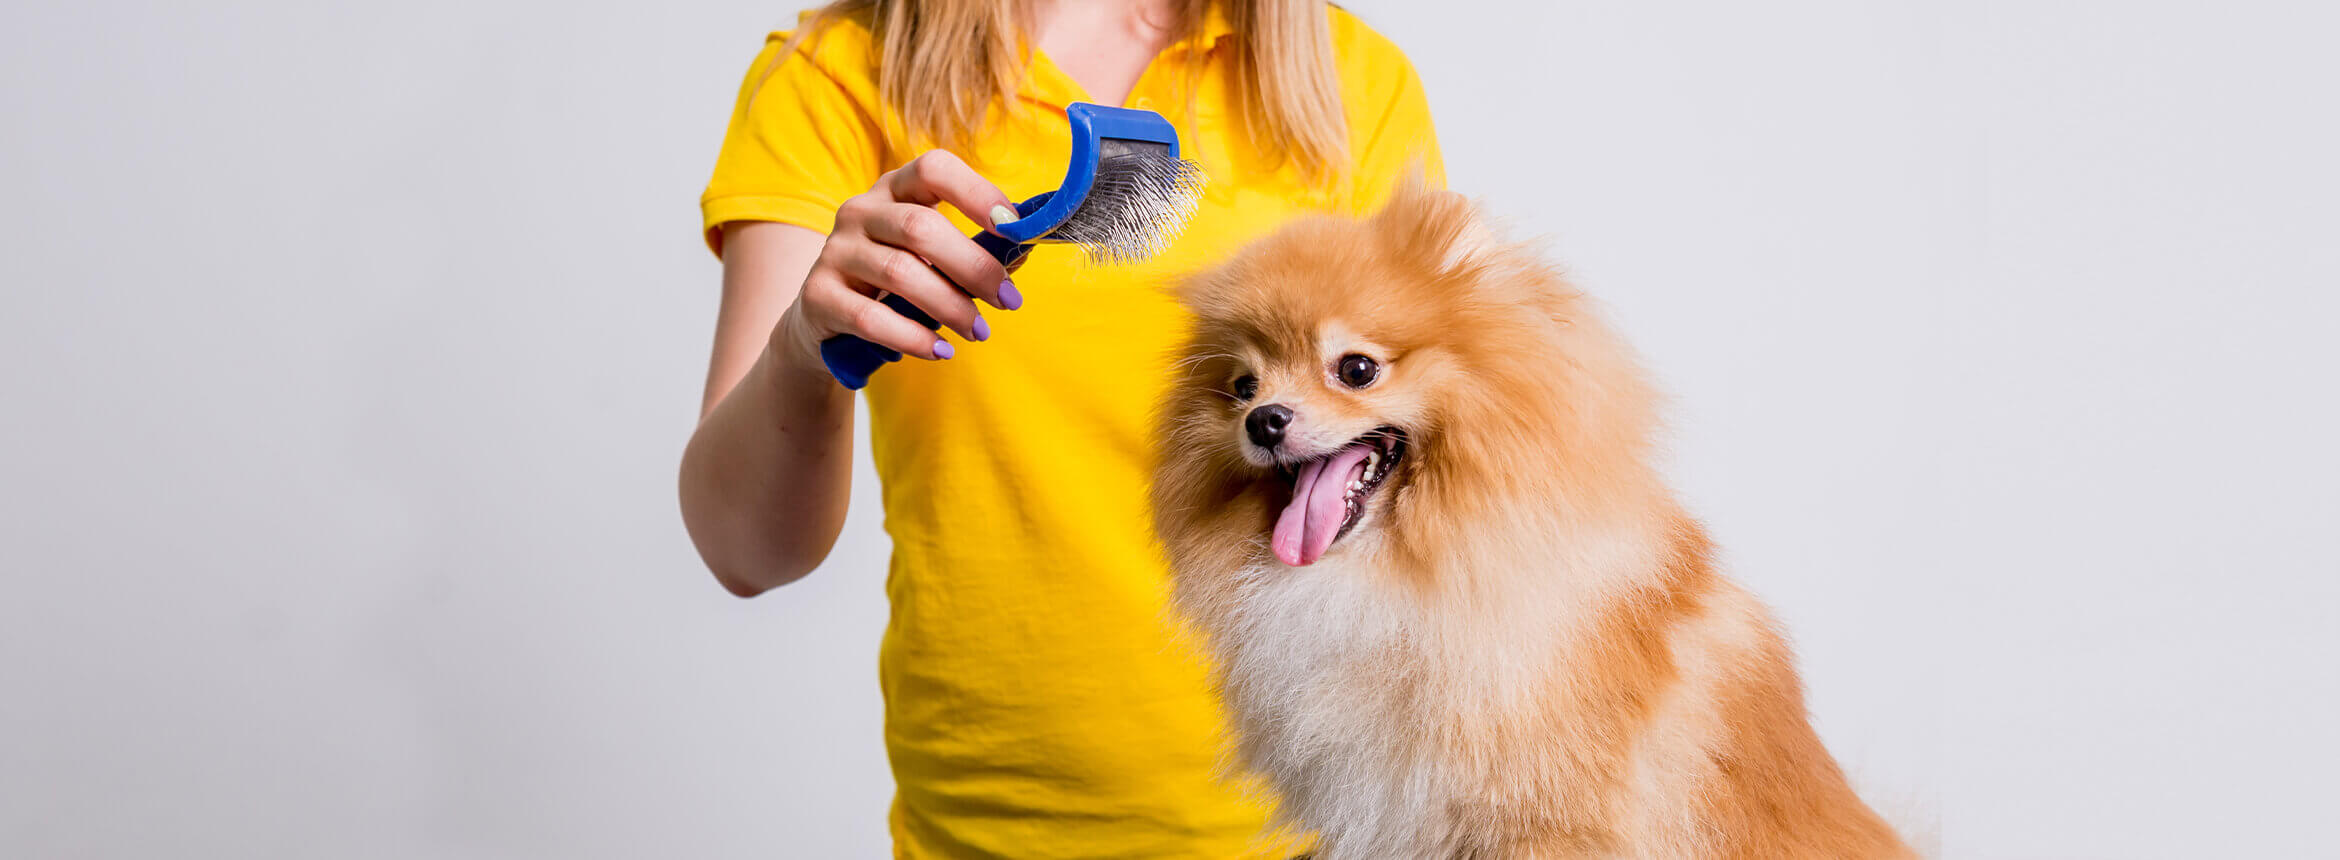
1139 203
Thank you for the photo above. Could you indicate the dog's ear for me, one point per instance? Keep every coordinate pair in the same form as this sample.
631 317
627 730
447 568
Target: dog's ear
1438 227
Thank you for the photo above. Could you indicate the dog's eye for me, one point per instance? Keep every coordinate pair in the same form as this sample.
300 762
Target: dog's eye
1358 371
1246 386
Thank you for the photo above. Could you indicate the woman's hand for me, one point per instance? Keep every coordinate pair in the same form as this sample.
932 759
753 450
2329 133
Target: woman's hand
766 476
890 239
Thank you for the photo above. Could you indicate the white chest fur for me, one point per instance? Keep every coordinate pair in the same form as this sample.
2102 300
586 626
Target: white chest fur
1357 698
1342 685
1316 663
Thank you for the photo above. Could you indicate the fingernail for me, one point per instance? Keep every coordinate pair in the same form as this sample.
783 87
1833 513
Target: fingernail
1008 297
982 329
1001 215
942 349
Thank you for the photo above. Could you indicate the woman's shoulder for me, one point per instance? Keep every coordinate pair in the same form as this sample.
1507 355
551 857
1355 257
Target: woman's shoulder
1390 132
834 43
1373 71
1360 48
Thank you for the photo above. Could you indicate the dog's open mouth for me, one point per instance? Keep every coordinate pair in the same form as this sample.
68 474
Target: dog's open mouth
1329 494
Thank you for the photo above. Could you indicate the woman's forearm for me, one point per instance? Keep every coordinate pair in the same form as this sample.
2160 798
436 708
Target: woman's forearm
766 476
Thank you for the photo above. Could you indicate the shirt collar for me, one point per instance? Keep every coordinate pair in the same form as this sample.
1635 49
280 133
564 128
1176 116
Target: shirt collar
1214 27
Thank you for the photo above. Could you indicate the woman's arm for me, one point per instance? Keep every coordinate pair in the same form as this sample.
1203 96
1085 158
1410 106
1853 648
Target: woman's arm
766 475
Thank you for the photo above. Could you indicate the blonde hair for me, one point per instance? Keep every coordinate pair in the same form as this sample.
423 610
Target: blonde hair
942 64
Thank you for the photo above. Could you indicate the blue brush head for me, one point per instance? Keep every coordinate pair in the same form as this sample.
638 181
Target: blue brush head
1125 196
1126 192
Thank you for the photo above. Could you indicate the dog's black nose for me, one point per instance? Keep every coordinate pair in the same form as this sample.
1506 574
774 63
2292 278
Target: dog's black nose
1266 424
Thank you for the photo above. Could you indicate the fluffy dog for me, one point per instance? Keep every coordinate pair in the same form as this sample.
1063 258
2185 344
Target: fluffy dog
1405 487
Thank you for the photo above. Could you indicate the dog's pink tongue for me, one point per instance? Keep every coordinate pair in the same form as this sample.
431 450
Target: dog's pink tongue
1291 528
1307 526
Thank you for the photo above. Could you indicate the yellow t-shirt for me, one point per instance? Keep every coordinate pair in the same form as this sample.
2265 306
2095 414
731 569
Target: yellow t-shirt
1037 702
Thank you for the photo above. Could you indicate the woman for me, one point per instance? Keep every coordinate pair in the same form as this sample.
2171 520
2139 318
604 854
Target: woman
1037 702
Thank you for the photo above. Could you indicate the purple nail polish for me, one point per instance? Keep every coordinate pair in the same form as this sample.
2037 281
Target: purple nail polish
1008 297
942 349
982 329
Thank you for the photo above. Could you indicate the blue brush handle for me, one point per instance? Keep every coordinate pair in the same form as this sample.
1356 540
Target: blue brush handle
851 360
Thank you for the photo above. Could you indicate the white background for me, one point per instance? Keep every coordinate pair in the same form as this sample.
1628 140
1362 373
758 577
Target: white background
350 348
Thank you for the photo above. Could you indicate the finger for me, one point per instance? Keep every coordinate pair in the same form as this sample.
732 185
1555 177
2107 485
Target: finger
928 234
940 177
883 267
845 311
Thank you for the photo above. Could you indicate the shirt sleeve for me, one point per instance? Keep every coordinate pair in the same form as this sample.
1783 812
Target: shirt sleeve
804 136
1390 132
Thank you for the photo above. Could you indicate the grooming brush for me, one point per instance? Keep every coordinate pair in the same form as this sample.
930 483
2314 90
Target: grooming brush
1124 198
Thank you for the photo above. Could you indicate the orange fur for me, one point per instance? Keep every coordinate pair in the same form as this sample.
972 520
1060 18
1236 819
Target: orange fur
1521 648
